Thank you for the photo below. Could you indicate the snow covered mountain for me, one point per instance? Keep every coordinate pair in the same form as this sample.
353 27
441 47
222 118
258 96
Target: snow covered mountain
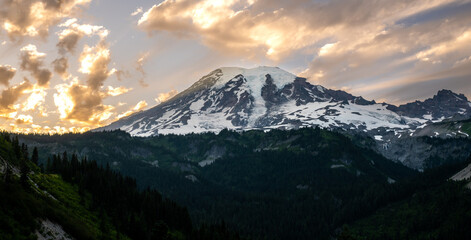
269 97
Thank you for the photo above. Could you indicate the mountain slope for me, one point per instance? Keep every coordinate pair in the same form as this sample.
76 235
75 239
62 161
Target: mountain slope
306 181
280 184
78 199
438 209
268 98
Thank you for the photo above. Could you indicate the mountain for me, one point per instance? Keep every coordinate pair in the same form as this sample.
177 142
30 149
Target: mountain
269 98
444 105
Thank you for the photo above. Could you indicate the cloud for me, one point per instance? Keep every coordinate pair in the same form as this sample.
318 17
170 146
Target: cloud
35 100
94 62
117 91
34 18
60 67
11 95
140 68
7 72
68 40
138 11
275 27
351 43
81 103
34 128
139 106
32 61
165 96
69 37
24 119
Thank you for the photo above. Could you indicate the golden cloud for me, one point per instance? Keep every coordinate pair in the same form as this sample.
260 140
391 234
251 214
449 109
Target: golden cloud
24 119
351 42
139 106
165 96
37 129
81 103
117 91
9 97
273 28
94 62
35 100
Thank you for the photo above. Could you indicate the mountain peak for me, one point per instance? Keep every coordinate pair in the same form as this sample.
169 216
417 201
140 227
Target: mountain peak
445 94
444 104
254 76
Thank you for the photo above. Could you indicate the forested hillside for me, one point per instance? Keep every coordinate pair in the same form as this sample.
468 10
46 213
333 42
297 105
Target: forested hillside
84 201
302 184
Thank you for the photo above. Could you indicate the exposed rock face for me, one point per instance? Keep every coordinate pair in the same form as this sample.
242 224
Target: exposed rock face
445 104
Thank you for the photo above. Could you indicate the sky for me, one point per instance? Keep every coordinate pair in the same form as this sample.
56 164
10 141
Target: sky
74 65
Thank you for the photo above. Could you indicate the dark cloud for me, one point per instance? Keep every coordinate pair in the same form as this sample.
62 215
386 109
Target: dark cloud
87 103
94 63
7 72
32 61
78 102
60 67
34 17
10 95
68 42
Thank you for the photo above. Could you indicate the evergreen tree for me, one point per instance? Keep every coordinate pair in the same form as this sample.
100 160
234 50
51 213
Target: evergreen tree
24 173
35 156
24 151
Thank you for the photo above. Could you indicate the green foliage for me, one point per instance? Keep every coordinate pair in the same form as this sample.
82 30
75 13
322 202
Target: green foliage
88 201
136 213
466 127
295 184
442 212
279 184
